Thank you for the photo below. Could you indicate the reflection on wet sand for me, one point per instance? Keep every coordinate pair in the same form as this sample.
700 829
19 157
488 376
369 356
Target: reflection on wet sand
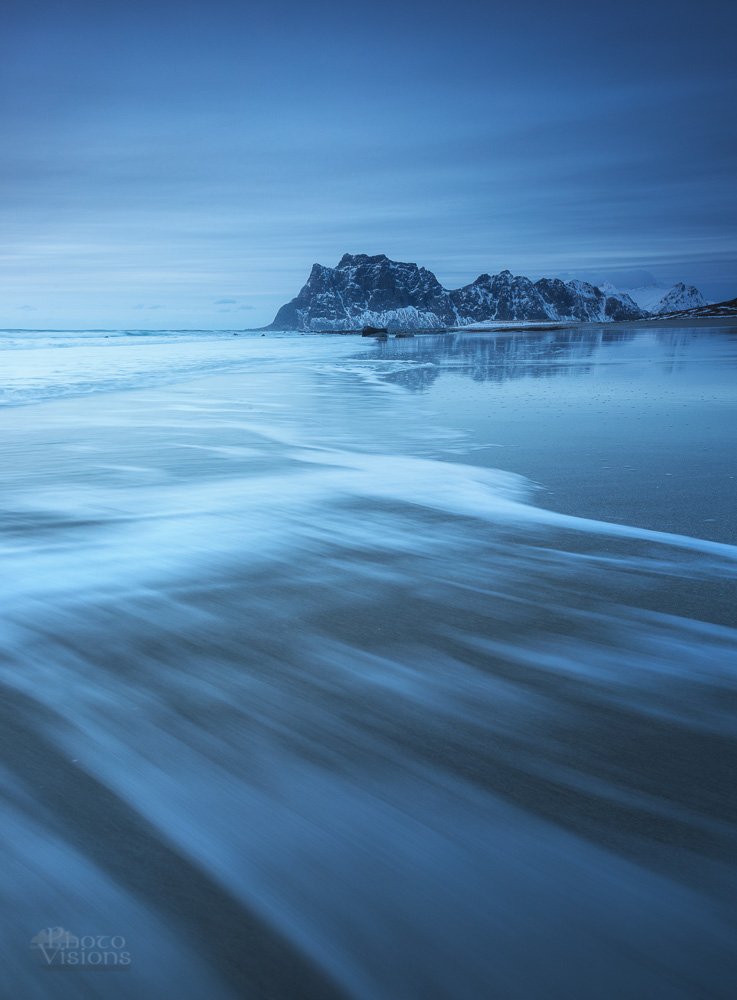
501 356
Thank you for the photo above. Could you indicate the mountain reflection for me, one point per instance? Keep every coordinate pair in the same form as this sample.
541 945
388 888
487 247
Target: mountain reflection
496 357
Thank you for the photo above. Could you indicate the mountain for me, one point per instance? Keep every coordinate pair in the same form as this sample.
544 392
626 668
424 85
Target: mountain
375 291
680 297
647 297
367 291
658 299
707 311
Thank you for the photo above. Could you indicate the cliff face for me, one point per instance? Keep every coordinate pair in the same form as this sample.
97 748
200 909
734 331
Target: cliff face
363 290
376 291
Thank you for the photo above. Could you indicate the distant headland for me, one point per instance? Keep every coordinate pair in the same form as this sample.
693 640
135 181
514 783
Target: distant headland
365 290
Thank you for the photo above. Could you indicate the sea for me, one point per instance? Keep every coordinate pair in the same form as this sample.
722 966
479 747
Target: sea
394 670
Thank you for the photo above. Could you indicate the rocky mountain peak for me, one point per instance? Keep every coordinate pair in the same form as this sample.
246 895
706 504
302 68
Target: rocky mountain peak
359 259
681 296
372 290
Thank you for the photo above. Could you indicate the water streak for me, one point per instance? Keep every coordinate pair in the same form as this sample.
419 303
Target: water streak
310 692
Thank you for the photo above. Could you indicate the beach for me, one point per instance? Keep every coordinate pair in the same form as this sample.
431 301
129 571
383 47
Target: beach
401 669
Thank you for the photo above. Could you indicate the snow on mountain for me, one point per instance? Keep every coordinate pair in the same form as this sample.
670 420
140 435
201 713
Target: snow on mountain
647 297
367 290
680 297
660 299
712 310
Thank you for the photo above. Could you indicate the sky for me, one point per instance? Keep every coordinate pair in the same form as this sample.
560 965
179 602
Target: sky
183 165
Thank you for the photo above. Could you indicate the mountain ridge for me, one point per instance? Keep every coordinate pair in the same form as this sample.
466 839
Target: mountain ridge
372 290
656 299
711 310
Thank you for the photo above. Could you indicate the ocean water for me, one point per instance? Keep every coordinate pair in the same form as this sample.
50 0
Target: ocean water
346 669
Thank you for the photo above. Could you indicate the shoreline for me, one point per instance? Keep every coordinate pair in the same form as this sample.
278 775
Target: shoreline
521 327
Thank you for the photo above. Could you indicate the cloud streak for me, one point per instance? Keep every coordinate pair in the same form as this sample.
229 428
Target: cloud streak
211 160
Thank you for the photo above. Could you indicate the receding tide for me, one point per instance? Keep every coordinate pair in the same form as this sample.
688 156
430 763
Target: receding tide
397 669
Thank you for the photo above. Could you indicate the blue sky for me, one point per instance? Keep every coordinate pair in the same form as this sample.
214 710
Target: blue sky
183 165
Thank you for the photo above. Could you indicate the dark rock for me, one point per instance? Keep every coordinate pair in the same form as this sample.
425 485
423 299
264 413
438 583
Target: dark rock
375 292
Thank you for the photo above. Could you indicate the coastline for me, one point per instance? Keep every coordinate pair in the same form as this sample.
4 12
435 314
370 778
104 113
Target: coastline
511 326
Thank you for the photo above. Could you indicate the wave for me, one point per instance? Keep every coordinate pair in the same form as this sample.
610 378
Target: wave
303 706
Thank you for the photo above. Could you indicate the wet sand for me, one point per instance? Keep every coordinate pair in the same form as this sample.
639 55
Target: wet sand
401 669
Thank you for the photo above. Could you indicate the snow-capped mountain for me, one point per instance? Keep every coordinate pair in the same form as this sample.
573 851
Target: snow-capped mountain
680 297
658 299
367 291
712 310
376 291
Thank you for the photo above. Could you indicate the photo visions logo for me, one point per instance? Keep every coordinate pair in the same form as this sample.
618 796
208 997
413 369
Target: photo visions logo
56 948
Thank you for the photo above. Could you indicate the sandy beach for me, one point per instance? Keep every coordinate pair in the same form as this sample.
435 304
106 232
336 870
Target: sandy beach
372 670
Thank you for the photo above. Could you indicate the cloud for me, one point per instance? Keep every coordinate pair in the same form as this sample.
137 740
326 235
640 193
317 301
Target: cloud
608 150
